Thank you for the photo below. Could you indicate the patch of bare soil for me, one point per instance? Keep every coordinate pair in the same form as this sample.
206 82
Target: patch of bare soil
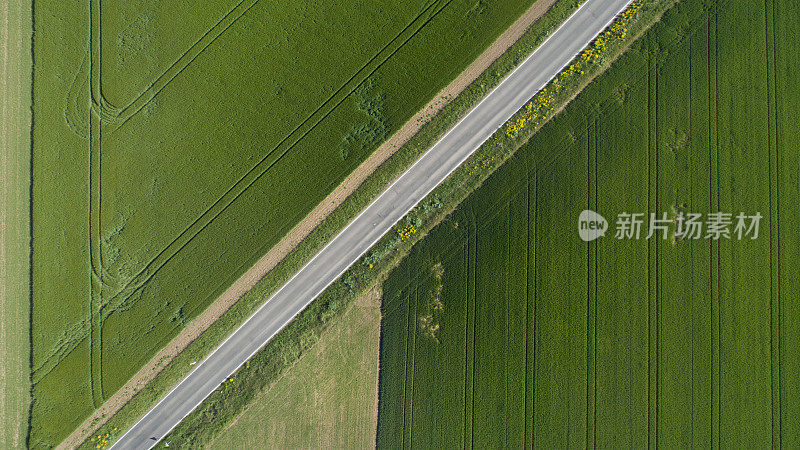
302 229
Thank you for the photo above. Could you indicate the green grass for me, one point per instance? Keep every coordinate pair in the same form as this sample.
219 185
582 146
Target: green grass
330 393
15 95
623 343
215 151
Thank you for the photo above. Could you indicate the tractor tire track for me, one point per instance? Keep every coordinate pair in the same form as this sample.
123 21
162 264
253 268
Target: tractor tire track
118 300
269 160
95 252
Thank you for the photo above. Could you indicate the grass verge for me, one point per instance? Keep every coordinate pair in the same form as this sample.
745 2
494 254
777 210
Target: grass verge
15 123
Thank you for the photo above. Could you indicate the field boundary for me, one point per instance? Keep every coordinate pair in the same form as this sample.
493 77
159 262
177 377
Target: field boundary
16 28
310 226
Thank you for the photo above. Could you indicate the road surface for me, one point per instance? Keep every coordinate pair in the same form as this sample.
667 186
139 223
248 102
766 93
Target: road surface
377 219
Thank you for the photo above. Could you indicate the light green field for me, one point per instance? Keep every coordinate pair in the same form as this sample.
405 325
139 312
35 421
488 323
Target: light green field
167 159
15 120
328 399
504 329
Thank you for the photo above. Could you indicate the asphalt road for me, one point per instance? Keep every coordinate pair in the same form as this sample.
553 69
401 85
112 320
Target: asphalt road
377 219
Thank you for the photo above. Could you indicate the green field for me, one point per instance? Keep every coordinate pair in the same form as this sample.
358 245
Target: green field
503 329
328 399
167 159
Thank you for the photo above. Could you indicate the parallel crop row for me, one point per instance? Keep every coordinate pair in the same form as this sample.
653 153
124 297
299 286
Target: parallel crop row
623 342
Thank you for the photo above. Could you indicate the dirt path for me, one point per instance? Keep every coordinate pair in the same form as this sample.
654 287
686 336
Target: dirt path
302 229
15 121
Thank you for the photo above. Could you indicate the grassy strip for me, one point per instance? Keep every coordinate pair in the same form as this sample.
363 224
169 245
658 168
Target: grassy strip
304 330
15 122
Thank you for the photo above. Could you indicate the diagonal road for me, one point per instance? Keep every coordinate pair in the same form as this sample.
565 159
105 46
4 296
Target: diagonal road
377 219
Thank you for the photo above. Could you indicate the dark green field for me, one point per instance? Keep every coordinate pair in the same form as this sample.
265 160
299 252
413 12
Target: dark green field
503 328
174 145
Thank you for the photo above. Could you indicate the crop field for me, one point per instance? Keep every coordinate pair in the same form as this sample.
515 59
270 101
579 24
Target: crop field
167 159
504 329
